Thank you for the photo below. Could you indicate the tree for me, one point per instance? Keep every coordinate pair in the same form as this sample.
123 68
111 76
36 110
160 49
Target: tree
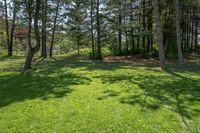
44 31
119 26
7 28
178 34
33 50
92 27
10 46
159 34
99 56
132 34
144 27
54 28
150 27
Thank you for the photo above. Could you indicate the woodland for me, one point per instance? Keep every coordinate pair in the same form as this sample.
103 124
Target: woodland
100 66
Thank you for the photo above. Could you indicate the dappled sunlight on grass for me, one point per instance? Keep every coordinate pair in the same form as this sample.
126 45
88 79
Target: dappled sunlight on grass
37 84
75 95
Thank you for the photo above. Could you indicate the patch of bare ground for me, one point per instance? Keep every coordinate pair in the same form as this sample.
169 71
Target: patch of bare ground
193 59
130 59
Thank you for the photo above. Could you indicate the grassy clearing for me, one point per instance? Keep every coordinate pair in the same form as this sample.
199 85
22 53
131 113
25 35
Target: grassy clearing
71 95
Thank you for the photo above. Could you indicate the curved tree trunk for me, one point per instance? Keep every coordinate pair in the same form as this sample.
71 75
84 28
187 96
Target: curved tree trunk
36 48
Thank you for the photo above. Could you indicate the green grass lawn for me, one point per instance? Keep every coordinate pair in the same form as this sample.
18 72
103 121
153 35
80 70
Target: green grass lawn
80 96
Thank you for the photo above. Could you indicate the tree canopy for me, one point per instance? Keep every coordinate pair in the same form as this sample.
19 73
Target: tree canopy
150 28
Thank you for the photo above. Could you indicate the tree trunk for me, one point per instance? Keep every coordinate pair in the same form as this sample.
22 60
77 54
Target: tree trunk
92 28
44 33
120 29
144 27
29 58
7 27
139 29
138 43
29 12
159 34
178 34
36 48
10 46
149 27
187 37
125 28
192 38
78 43
132 36
54 28
99 56
196 36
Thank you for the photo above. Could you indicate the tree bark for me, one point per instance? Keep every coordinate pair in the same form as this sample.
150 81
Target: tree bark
149 27
192 38
54 28
196 36
92 28
99 56
33 50
119 25
10 46
178 34
144 27
29 58
132 36
7 26
78 42
44 32
159 34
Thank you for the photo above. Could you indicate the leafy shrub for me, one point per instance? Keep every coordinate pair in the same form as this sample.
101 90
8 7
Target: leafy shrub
3 52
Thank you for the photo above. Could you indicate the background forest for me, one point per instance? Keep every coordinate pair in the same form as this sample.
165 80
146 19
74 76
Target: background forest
100 28
99 66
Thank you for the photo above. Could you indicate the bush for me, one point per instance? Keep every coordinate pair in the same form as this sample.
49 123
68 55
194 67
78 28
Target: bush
3 52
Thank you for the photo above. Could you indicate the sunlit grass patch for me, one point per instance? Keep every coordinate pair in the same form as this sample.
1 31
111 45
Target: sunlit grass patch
72 95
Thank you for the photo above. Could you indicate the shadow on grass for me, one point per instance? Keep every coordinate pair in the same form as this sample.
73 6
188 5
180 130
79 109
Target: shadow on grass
88 65
107 94
11 58
43 84
172 89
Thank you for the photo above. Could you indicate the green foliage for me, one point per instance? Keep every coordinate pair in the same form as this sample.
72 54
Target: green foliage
105 52
3 52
